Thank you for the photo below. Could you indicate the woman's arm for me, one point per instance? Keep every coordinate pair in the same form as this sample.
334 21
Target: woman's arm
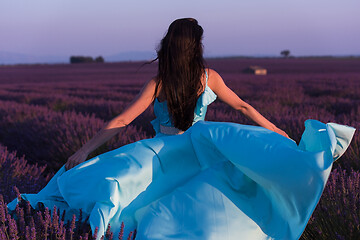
225 94
134 109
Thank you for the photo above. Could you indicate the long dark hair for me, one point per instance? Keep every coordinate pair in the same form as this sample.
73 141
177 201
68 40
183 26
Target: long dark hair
180 68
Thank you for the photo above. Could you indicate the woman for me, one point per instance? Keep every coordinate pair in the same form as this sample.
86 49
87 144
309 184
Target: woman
196 179
181 79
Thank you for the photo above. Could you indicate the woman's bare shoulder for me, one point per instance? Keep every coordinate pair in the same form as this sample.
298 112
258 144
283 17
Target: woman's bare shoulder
213 78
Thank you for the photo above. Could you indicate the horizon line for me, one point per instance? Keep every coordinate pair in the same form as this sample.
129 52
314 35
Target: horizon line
210 58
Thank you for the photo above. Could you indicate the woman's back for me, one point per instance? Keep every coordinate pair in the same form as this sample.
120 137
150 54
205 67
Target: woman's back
162 123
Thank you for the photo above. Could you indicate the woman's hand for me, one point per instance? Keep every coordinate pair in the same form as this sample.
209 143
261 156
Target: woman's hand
75 159
281 132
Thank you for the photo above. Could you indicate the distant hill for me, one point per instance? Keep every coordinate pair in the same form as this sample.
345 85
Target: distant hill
131 56
7 58
20 58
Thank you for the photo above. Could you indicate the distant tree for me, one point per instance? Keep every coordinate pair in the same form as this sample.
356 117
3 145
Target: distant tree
99 59
81 59
285 53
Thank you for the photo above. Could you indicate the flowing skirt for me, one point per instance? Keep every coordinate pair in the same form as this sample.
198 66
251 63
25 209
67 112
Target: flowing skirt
215 181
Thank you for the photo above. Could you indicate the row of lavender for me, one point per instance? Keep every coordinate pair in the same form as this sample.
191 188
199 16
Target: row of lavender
47 120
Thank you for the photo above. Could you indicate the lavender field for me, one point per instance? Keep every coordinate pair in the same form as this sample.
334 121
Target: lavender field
48 111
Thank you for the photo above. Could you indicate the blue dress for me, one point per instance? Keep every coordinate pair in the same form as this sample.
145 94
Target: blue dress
215 181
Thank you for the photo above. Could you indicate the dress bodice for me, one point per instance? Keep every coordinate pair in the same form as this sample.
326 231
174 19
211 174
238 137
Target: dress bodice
163 117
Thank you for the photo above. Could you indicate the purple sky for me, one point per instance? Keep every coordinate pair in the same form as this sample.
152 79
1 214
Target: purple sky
237 27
